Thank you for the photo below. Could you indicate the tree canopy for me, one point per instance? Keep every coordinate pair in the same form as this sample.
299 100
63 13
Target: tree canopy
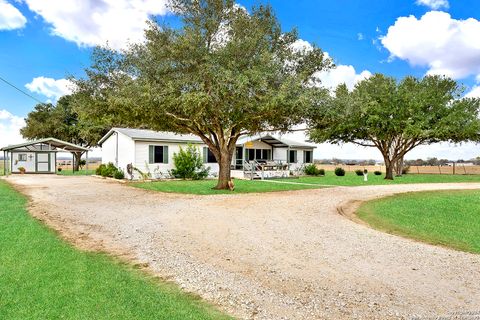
224 73
395 117
62 122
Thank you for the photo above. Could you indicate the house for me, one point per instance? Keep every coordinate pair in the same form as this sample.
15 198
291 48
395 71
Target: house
38 156
260 156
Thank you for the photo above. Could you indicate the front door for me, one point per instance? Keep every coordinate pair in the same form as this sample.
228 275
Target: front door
43 162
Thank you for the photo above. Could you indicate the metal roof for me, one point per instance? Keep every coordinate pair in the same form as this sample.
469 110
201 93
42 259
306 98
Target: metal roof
277 142
164 136
67 146
150 135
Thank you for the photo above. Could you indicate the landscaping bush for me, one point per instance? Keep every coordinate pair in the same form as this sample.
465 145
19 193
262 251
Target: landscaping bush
405 169
106 170
377 173
59 169
119 174
359 172
189 164
100 169
312 170
340 172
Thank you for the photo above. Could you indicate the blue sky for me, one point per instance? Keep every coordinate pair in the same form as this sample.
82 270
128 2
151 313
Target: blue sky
43 42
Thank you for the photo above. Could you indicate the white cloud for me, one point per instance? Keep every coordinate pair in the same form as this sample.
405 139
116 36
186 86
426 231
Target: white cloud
360 36
50 87
10 126
474 93
446 46
10 17
434 4
94 22
342 74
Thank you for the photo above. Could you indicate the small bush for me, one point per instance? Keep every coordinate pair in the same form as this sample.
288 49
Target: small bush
405 169
100 169
340 172
119 174
312 170
321 172
359 172
106 170
189 164
377 173
59 169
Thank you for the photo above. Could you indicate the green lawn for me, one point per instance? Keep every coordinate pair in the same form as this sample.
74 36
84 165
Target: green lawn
82 172
42 277
204 187
448 218
351 179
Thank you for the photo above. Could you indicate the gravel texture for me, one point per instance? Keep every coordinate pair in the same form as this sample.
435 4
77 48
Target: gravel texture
286 255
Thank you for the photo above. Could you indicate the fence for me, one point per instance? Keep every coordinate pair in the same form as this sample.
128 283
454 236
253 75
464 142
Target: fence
457 169
67 164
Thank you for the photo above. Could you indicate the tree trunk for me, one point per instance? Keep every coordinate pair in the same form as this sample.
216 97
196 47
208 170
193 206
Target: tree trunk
224 170
399 167
388 169
77 157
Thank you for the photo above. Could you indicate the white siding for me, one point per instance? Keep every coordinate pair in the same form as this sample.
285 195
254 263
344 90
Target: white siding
126 150
161 169
280 154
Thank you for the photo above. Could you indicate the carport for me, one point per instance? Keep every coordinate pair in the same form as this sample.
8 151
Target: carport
39 156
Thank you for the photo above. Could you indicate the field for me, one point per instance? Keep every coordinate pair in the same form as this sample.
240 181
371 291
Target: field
447 218
351 179
330 179
42 277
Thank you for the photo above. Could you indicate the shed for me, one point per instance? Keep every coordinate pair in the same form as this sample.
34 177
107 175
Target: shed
39 156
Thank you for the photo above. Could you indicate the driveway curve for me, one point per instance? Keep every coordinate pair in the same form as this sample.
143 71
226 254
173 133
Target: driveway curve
286 255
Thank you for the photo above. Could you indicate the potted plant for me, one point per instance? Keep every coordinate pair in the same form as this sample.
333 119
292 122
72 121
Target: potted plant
22 170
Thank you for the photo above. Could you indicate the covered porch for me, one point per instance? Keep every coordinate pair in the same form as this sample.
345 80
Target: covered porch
39 156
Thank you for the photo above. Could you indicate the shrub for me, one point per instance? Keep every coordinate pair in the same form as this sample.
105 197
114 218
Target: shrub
59 169
405 169
377 173
340 172
22 169
189 164
82 163
321 172
312 170
106 170
100 169
119 174
359 172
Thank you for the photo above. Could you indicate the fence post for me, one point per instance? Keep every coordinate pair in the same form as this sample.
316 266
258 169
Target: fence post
454 168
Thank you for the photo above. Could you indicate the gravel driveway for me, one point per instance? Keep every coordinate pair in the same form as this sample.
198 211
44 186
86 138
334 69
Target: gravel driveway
286 255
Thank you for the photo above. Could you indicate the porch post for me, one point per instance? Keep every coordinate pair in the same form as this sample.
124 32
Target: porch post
73 163
4 163
86 163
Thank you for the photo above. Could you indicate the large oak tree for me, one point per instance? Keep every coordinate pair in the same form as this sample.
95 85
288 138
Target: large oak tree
223 73
395 117
61 121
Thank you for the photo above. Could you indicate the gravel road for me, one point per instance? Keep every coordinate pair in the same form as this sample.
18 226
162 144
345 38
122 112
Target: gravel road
286 255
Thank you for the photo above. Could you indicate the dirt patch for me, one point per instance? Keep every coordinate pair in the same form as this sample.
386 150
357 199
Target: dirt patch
285 255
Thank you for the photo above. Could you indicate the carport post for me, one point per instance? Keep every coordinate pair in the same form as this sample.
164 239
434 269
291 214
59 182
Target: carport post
4 163
73 163
86 163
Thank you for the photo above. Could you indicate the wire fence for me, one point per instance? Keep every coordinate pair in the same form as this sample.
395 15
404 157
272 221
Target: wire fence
457 169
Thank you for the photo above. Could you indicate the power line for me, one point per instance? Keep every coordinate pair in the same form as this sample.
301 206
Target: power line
25 93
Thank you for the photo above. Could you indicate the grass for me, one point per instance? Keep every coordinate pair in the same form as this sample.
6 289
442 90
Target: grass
447 218
82 172
42 277
351 179
204 187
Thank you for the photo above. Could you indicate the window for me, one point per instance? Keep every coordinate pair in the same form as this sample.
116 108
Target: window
157 154
307 156
258 154
22 157
208 156
292 156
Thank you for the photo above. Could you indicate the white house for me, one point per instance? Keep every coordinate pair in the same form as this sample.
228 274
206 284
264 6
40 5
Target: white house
150 151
